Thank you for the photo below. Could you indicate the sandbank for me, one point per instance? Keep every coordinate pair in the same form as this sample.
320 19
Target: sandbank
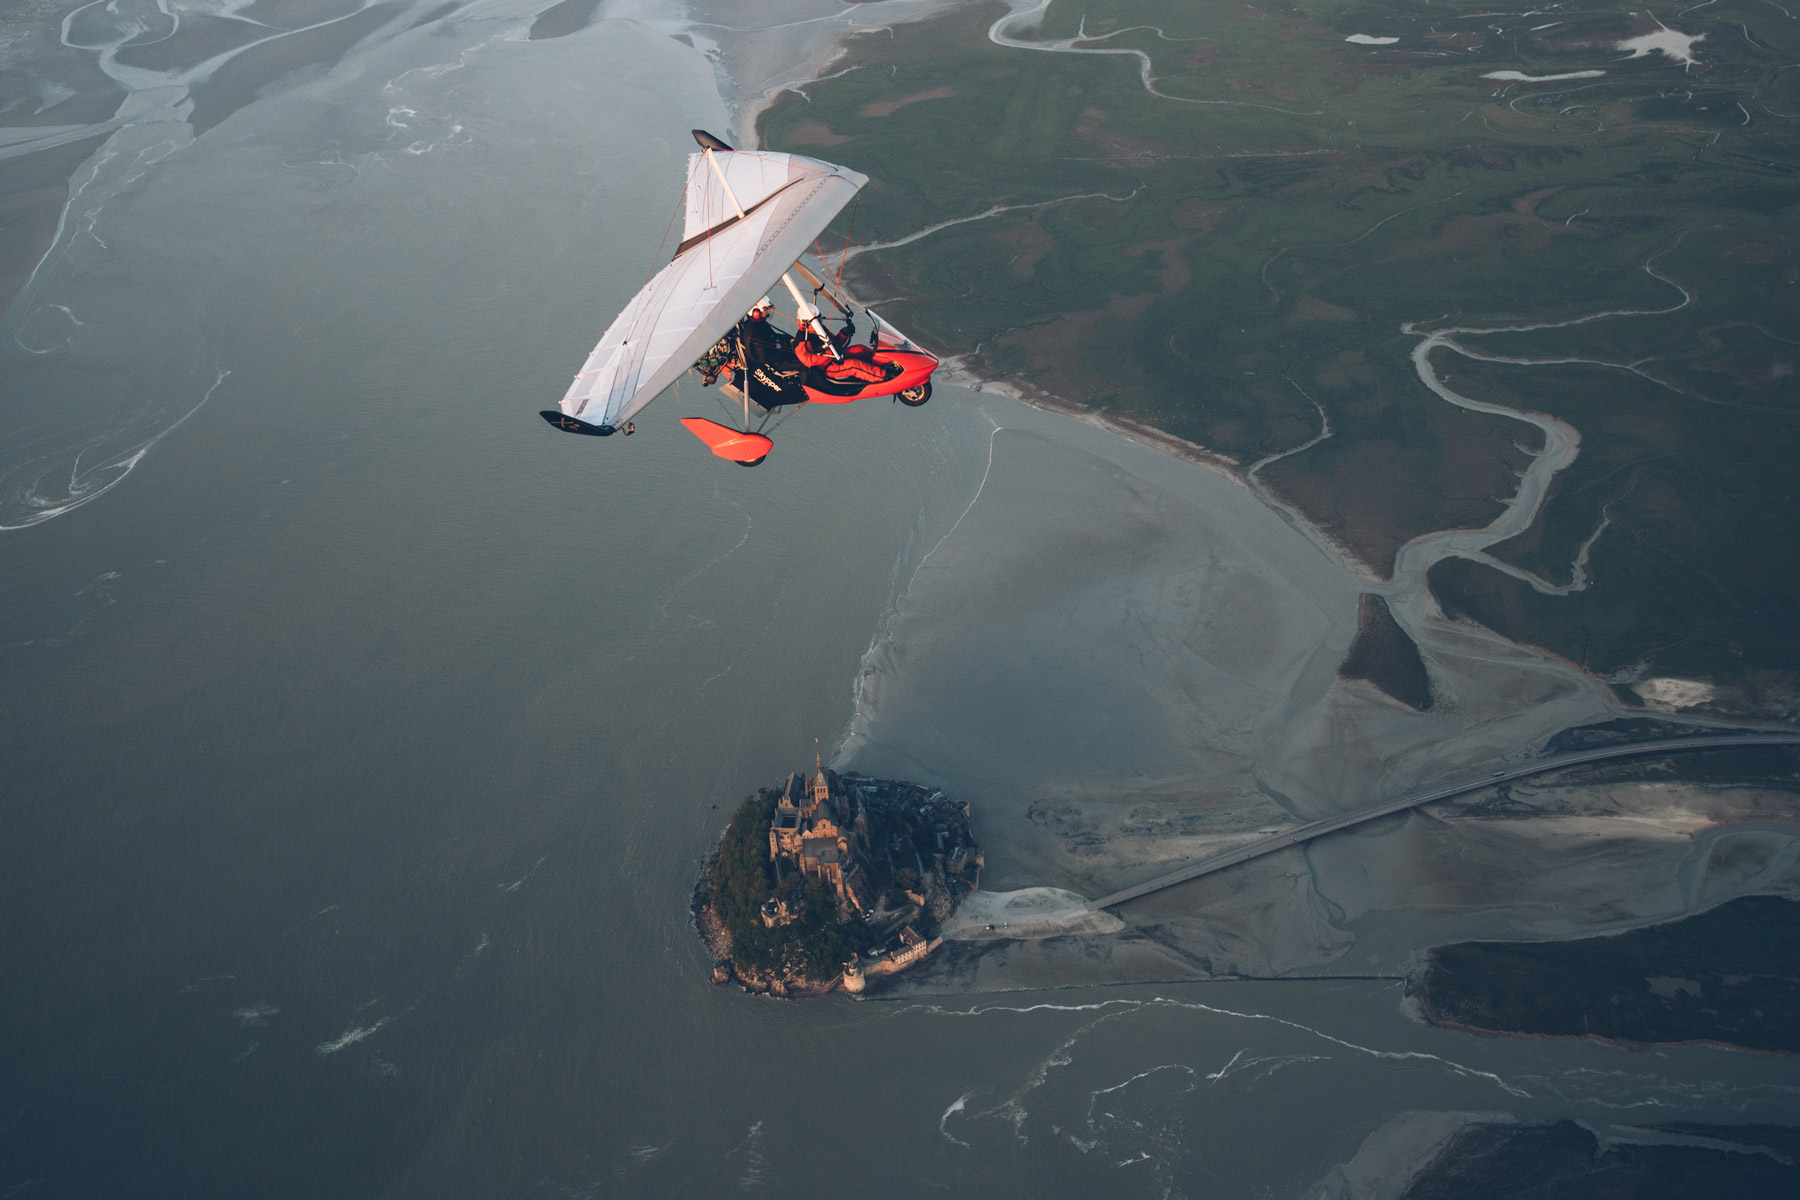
1397 1153
1028 913
1126 658
1125 661
1522 77
784 45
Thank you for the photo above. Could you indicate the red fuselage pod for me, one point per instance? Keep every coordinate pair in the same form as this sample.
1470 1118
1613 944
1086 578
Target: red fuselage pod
916 368
728 443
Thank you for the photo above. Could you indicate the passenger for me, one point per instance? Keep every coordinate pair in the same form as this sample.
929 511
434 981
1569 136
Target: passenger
763 343
851 368
770 373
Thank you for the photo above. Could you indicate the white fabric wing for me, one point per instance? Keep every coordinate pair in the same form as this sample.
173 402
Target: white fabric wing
754 175
722 266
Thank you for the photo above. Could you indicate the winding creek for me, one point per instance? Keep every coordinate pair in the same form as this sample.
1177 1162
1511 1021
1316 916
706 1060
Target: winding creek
1406 589
365 745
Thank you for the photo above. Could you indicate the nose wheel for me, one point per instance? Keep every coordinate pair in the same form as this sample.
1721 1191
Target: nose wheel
916 395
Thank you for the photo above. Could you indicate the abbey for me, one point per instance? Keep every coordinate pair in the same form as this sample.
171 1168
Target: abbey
872 838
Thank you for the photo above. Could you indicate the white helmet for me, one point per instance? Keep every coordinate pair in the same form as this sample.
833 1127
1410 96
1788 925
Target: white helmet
763 305
805 314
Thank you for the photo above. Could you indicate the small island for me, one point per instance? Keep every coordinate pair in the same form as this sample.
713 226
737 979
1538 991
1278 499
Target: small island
833 881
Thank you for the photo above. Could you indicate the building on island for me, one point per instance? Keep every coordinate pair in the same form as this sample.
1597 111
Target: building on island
894 855
803 828
814 825
912 948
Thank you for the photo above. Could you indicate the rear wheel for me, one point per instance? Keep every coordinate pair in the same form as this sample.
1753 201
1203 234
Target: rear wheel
916 395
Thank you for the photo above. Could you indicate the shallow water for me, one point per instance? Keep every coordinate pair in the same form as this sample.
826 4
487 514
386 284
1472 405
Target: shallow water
365 736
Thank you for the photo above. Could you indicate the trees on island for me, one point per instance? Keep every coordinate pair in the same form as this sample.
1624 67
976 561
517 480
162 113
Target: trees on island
812 942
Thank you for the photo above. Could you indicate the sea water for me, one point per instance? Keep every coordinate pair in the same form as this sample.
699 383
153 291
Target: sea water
364 736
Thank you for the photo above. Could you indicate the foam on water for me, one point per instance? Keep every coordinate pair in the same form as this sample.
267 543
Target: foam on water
42 497
377 738
350 1037
957 1106
1147 1080
151 125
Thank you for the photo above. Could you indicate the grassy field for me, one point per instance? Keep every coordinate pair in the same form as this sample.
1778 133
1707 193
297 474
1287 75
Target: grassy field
1233 261
1727 975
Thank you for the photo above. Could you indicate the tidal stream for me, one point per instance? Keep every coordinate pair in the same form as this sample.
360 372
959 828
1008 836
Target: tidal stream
366 736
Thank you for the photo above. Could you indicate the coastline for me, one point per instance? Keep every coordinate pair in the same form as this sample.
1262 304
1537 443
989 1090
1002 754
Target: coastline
1395 1155
1297 742
717 939
755 75
1635 1047
827 882
750 101
751 66
1714 975
1124 427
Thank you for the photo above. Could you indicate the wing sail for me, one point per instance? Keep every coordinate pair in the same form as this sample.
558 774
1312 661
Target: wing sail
724 263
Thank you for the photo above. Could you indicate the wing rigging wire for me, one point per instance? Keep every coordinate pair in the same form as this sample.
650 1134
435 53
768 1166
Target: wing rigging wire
837 284
762 426
638 317
845 256
706 206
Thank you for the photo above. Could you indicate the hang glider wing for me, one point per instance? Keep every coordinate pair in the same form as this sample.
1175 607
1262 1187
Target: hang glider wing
724 264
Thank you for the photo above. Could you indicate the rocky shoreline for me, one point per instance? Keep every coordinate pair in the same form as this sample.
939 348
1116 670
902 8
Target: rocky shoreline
725 970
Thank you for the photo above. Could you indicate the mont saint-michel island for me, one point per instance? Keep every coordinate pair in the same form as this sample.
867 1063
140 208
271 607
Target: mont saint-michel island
834 881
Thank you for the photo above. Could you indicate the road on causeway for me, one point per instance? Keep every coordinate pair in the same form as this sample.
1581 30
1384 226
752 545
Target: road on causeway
1325 825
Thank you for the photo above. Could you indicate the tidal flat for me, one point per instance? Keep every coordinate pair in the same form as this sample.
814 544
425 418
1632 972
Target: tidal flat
1211 223
1126 662
1101 187
368 735
1232 225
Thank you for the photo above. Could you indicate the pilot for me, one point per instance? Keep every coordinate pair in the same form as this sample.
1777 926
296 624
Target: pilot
851 368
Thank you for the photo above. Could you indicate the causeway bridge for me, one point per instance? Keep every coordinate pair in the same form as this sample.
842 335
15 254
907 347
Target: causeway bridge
1314 829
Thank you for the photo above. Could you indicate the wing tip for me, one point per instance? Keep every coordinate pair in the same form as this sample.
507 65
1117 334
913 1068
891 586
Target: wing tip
568 424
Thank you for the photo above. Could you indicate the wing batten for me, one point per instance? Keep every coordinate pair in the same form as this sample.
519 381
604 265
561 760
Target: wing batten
728 222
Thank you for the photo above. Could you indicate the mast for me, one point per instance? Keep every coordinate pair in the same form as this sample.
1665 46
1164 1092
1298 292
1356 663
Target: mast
708 144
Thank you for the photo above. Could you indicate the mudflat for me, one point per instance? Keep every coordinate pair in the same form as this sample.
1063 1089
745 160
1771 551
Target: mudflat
1389 274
